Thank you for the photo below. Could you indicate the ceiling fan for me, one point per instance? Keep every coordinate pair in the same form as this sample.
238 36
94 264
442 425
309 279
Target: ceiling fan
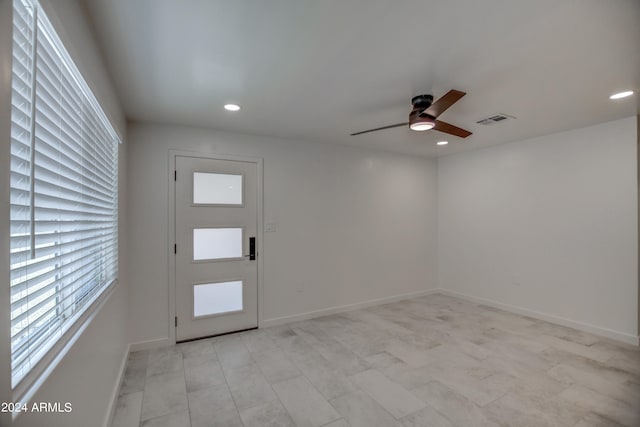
425 112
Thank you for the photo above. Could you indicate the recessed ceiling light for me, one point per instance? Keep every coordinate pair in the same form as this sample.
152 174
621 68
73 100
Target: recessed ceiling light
232 107
621 94
442 142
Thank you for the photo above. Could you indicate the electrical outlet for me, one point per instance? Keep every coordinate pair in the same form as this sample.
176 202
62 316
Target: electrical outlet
270 227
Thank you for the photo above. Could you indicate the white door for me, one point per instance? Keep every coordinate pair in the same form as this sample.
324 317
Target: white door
216 248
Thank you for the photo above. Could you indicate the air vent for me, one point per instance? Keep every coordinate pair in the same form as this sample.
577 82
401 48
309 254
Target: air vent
496 118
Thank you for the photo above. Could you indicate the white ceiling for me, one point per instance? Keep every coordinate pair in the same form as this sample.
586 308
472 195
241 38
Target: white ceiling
322 69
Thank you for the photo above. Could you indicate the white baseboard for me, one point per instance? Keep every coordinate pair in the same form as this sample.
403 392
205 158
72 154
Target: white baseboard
150 344
342 308
586 327
116 390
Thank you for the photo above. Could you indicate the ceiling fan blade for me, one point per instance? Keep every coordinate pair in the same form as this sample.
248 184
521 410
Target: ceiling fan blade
451 129
397 125
444 102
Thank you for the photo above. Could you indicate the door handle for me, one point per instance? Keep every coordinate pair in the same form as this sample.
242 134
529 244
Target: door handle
252 249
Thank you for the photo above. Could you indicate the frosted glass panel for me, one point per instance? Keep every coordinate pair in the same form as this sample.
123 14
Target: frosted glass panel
217 189
217 243
216 298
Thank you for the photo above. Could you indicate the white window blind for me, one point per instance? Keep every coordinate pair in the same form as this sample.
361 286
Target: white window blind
64 162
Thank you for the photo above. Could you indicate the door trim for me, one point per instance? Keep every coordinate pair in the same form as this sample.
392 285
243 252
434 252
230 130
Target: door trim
171 239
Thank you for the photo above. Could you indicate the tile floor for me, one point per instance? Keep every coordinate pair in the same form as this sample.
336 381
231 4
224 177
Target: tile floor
430 361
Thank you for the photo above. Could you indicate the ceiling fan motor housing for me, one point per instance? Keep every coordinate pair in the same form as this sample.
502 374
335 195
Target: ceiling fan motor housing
422 102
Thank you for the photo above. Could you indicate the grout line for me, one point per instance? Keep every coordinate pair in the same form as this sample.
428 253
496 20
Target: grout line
186 392
144 387
233 399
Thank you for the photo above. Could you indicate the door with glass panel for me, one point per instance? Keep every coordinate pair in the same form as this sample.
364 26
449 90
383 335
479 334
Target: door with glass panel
216 267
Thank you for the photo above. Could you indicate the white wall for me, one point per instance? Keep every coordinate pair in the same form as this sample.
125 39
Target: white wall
548 225
352 224
88 375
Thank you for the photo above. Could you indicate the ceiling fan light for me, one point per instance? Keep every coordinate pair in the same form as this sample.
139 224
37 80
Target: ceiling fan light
420 126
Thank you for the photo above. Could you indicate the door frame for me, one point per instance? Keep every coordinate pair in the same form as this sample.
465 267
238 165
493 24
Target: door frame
171 239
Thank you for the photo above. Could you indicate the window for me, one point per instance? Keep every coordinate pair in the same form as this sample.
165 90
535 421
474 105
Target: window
217 298
217 189
217 243
64 224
